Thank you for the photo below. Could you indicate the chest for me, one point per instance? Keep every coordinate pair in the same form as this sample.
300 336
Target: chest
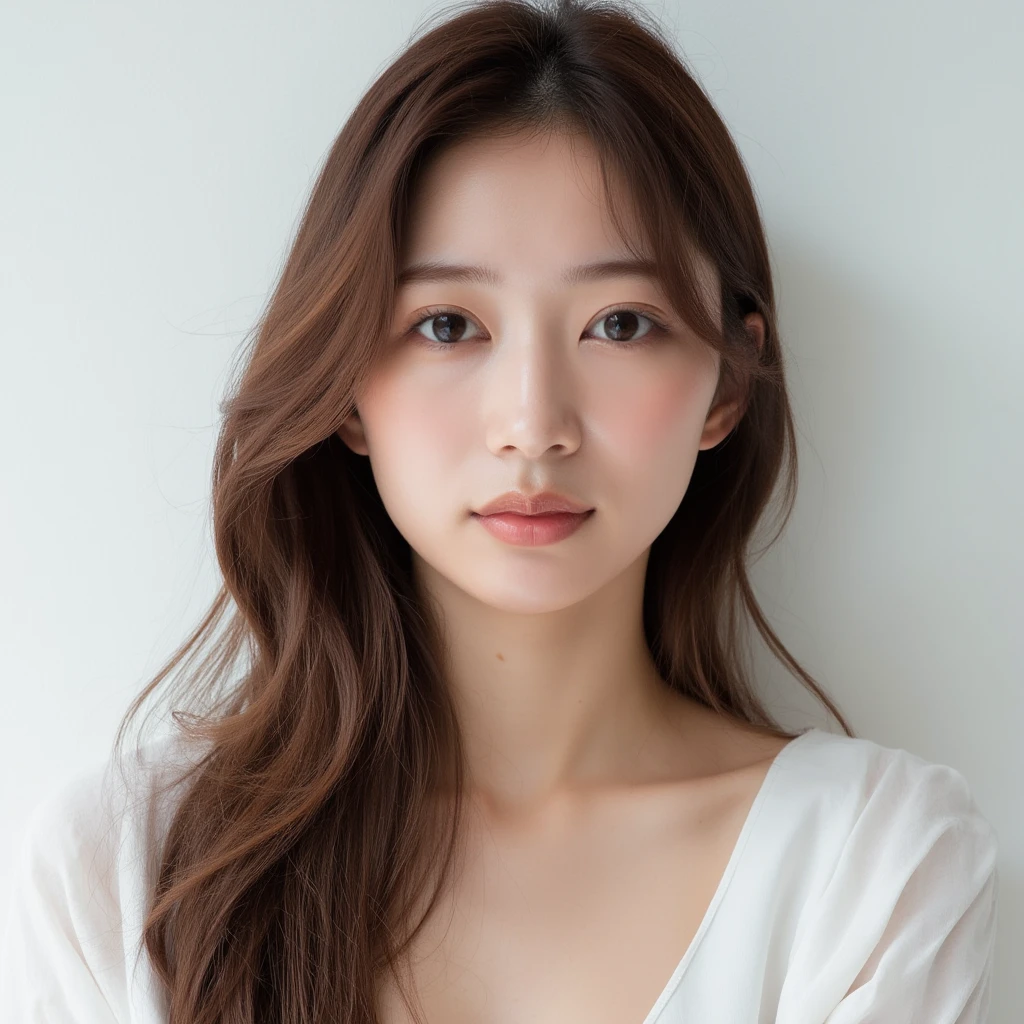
584 923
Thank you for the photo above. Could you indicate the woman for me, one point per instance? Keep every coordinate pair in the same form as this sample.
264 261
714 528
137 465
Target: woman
483 499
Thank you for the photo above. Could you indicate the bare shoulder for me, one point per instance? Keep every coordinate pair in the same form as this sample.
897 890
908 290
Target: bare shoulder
748 745
717 745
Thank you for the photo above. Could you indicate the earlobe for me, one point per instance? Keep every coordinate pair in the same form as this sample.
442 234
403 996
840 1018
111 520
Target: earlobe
352 433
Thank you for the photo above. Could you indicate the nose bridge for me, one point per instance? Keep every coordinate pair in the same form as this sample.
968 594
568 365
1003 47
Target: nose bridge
532 389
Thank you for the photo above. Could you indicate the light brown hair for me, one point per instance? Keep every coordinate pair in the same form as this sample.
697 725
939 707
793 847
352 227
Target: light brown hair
307 833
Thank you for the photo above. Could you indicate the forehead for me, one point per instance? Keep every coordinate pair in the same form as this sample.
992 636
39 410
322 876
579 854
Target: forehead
524 200
494 211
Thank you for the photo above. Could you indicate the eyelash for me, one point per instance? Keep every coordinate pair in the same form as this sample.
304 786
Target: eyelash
658 329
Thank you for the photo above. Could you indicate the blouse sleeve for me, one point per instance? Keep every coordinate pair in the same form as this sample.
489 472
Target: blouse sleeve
61 955
904 931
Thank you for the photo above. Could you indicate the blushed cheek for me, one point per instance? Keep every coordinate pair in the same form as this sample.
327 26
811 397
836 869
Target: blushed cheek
663 419
651 439
419 435
440 423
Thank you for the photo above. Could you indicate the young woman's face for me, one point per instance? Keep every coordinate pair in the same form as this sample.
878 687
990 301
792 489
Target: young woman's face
528 382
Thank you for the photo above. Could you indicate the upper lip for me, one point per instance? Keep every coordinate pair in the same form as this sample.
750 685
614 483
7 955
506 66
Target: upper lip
531 504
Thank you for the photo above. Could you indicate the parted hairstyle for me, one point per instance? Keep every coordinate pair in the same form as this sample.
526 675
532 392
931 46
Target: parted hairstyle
307 833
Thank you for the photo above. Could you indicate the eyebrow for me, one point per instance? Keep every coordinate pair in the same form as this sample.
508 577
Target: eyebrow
438 270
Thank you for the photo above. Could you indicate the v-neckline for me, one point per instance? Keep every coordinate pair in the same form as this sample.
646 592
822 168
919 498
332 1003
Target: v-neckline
727 875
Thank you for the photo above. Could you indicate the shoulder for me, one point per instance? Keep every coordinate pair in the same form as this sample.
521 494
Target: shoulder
84 871
102 812
877 785
898 880
883 822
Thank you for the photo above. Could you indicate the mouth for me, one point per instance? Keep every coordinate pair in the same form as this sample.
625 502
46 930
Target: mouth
533 530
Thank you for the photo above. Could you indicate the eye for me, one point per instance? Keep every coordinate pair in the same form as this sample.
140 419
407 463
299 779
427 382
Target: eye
624 322
448 322
449 327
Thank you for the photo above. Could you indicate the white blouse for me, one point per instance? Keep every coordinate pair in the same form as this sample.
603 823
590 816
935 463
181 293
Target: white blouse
861 890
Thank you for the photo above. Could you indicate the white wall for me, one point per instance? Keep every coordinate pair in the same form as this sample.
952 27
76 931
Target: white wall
155 159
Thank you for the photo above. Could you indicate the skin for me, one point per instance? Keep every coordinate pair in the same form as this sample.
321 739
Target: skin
573 741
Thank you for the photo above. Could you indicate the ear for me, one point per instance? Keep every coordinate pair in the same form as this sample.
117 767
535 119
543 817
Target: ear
353 433
728 411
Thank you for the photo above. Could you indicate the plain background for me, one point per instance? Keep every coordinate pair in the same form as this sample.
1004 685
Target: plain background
155 160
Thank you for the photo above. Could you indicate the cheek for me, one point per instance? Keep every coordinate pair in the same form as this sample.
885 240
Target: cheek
416 442
415 418
434 423
651 428
659 418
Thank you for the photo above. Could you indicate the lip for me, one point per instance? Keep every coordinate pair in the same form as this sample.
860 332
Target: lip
542 503
533 531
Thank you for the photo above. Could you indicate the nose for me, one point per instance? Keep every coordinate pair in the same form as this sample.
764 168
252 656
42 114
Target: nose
532 394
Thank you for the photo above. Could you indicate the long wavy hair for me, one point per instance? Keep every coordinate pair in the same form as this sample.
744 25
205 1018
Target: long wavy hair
309 831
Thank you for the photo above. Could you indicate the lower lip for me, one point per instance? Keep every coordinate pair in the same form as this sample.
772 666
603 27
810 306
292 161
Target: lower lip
531 531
